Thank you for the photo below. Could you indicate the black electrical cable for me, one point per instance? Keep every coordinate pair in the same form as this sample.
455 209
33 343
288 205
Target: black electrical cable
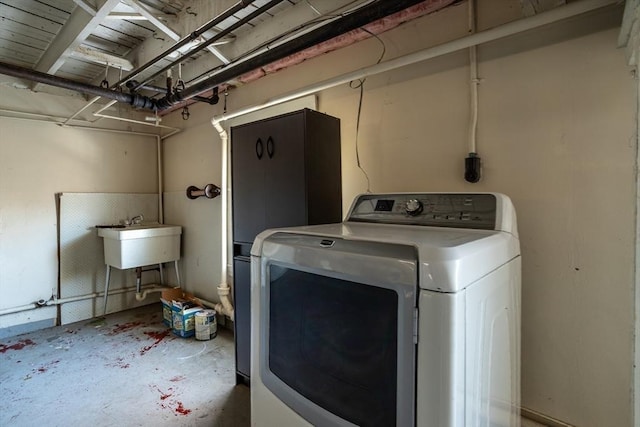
360 86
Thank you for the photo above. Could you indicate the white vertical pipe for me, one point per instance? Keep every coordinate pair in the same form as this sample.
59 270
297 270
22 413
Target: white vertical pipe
225 307
473 80
160 184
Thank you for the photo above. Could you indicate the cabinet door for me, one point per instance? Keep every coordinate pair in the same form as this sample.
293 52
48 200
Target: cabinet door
242 321
284 173
248 153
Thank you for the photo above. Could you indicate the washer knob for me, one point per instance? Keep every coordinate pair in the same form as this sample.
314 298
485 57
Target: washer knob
414 207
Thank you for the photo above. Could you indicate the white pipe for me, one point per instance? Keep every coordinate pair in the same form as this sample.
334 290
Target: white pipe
20 308
143 295
160 184
91 102
554 15
139 122
38 117
225 307
473 80
57 301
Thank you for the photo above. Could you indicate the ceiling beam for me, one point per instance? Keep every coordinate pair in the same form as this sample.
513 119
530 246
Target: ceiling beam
77 28
102 58
86 6
136 16
168 31
533 7
629 36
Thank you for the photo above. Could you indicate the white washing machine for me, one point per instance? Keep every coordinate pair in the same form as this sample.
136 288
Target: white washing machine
406 314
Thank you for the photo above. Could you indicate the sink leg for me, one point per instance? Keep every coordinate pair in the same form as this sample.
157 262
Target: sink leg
138 279
161 275
106 289
177 272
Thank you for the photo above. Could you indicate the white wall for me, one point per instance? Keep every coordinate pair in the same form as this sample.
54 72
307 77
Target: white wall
38 160
556 133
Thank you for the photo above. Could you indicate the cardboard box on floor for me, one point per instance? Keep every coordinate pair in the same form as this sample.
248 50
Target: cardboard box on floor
178 311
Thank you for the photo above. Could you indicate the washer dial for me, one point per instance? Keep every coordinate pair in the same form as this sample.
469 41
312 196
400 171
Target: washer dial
413 207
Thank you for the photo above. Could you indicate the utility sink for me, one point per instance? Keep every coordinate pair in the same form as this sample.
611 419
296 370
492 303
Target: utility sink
140 245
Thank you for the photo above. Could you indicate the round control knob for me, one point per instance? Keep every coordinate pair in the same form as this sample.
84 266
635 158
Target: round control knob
414 207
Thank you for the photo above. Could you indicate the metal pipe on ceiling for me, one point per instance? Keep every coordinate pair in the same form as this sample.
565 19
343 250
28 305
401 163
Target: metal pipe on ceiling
153 88
357 19
207 26
210 41
36 76
188 39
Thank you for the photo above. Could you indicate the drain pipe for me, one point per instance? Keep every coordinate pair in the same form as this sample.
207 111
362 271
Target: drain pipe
57 301
225 307
135 100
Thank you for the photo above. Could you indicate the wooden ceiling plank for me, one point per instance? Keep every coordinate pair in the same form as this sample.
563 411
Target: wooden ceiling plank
168 31
78 27
22 47
30 20
39 9
117 36
17 54
65 5
104 46
31 38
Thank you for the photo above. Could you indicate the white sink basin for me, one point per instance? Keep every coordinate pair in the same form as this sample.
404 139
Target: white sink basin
140 245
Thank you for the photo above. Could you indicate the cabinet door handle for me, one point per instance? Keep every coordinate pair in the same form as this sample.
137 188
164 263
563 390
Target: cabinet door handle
259 148
270 147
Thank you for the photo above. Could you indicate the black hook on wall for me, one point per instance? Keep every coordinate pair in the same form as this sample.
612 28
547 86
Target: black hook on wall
209 191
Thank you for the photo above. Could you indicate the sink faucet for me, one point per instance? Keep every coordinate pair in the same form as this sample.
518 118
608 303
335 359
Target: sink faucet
133 221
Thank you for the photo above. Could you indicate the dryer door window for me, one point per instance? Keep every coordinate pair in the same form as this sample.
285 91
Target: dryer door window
335 343
336 336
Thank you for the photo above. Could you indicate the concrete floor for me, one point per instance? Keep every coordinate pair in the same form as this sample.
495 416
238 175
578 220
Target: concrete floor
124 369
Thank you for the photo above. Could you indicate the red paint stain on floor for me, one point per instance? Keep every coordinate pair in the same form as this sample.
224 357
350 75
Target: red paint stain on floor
158 336
175 405
163 395
182 410
45 368
120 328
119 363
17 346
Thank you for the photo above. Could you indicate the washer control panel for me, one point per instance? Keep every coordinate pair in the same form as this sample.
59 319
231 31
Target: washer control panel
458 210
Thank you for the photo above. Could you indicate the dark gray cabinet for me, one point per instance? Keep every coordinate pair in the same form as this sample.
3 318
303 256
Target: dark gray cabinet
285 171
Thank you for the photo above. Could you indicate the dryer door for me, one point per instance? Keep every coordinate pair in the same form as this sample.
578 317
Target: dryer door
337 329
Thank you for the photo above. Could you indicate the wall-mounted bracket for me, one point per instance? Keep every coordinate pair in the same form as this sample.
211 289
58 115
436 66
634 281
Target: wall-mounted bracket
209 191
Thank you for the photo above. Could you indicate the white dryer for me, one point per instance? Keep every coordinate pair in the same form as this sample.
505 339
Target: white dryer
406 314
